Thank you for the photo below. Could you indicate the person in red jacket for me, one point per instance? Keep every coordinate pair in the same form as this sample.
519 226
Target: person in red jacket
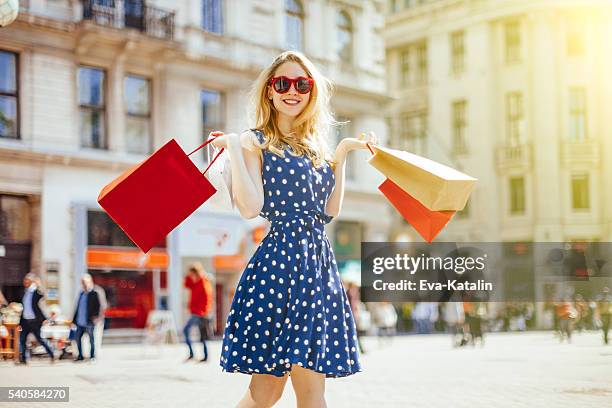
200 305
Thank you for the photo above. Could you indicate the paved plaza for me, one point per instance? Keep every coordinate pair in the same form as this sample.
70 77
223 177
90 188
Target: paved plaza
511 370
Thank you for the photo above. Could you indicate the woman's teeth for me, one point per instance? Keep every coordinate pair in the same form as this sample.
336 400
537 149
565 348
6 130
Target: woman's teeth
291 101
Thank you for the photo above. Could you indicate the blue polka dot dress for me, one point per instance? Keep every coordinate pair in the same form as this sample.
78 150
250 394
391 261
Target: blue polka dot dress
290 306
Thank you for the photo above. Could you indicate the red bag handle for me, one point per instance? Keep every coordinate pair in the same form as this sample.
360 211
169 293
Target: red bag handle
202 146
370 147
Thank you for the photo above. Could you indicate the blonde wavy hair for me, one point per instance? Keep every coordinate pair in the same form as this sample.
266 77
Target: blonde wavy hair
310 128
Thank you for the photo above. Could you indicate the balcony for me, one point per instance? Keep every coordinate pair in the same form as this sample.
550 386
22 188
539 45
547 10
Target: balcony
585 152
517 156
134 14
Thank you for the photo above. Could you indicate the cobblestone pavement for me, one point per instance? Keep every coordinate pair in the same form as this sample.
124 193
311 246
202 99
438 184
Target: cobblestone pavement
511 370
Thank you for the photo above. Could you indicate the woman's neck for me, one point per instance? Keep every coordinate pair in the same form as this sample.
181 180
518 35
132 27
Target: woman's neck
285 124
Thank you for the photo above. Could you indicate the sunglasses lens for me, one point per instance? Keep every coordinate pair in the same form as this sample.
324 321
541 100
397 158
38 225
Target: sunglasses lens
281 85
303 85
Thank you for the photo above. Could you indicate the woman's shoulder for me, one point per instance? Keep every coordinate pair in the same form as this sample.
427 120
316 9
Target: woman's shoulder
252 139
258 134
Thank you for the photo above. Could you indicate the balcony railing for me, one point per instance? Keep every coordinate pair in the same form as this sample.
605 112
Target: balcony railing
135 14
514 156
581 152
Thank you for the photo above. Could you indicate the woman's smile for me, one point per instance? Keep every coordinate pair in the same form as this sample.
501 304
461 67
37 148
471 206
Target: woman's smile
291 101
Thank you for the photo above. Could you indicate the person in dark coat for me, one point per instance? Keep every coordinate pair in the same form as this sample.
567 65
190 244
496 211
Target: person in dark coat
86 315
32 317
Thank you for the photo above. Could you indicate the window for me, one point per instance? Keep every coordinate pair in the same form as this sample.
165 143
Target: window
513 42
457 52
517 195
577 114
421 63
15 219
514 118
345 37
575 38
459 125
405 68
9 95
212 16
343 130
294 25
413 131
580 192
212 112
92 109
103 231
138 115
134 13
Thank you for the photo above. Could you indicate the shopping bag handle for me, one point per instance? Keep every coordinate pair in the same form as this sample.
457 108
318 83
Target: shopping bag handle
212 137
370 147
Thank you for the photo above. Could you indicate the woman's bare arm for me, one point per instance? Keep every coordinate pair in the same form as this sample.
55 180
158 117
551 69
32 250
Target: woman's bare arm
334 202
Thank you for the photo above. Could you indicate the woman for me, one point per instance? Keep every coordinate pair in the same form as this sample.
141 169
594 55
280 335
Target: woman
290 313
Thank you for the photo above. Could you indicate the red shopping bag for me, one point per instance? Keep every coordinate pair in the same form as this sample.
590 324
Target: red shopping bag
151 199
426 222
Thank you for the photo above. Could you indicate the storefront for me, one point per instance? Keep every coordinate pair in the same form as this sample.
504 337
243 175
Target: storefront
135 283
16 236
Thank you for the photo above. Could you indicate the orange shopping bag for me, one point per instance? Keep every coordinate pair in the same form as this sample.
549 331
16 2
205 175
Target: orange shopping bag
426 222
151 199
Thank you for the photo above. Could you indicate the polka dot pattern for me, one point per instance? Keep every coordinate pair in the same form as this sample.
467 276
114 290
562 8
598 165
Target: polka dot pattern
290 306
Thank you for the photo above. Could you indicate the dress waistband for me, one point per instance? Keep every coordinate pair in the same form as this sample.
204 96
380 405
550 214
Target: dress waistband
313 219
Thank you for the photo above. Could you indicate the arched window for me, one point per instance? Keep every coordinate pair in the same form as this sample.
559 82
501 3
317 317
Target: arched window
294 25
344 28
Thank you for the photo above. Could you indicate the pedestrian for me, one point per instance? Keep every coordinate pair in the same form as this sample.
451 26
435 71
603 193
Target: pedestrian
582 310
200 305
100 321
566 314
424 314
290 313
385 319
32 317
86 315
454 318
604 311
475 312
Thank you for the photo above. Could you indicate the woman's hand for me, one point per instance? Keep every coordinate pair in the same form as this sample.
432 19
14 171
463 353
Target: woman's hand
352 143
222 140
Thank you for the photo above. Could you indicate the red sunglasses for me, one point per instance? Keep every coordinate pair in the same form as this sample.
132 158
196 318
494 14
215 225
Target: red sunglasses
282 84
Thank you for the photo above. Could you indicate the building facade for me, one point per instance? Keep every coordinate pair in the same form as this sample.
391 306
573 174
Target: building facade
90 88
517 94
